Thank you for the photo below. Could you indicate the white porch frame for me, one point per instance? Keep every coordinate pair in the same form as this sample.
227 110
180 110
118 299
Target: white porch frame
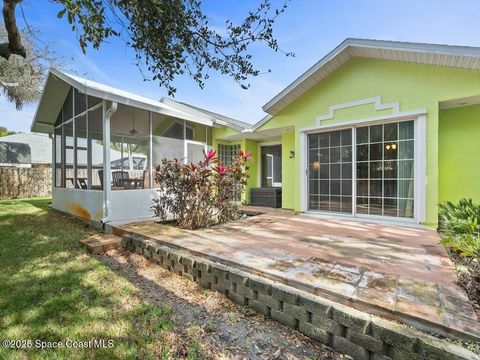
420 133
138 200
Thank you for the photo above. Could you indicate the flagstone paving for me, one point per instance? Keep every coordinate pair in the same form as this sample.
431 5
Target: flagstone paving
401 273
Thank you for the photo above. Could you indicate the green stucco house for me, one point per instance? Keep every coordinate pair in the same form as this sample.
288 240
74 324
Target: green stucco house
375 130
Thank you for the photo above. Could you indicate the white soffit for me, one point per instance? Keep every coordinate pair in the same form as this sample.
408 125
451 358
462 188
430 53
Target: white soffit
463 57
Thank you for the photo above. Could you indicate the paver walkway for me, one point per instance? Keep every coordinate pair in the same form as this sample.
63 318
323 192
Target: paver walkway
398 272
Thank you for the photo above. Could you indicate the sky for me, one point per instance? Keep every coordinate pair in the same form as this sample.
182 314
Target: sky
309 28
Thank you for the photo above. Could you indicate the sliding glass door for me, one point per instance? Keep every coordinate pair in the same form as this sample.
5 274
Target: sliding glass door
378 168
385 169
330 171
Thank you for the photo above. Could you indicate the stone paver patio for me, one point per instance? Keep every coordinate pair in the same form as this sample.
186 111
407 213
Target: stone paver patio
401 273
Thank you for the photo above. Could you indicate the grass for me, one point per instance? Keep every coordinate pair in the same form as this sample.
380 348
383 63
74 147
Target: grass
52 291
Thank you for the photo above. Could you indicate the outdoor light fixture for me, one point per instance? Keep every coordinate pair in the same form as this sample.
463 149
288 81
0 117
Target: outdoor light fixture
392 146
316 165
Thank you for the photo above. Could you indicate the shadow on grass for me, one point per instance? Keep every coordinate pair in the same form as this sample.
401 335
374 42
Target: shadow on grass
52 291
40 203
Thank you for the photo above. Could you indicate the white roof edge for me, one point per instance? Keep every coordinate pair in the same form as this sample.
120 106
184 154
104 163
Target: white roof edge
194 110
39 102
466 51
109 93
260 122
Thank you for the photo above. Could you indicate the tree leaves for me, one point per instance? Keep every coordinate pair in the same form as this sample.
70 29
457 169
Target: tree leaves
173 38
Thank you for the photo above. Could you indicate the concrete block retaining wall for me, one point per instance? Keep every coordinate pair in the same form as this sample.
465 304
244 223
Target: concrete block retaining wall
347 330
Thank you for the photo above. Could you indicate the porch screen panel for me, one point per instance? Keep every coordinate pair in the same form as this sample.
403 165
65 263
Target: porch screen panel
58 157
82 146
330 171
95 141
69 140
195 152
167 139
385 169
129 148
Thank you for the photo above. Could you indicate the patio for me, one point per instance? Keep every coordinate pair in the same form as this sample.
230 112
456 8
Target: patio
401 273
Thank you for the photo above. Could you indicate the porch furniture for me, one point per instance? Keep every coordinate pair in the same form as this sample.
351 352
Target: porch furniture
119 178
82 183
266 197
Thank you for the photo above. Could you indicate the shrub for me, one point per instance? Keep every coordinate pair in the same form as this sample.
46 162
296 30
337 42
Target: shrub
199 195
460 222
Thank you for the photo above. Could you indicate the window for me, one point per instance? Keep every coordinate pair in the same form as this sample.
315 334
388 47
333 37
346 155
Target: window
227 152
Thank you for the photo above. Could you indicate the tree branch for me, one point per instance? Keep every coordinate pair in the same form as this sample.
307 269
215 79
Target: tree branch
14 45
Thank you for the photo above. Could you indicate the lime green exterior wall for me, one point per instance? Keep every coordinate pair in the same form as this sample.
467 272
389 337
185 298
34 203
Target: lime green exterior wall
414 86
246 145
251 145
459 154
289 178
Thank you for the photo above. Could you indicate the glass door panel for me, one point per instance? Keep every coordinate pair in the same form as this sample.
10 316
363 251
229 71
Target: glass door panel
385 169
330 171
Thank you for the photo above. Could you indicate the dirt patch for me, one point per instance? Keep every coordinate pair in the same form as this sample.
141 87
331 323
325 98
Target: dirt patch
209 322
468 275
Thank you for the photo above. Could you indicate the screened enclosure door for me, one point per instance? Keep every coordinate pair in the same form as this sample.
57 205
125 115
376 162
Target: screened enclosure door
330 171
271 165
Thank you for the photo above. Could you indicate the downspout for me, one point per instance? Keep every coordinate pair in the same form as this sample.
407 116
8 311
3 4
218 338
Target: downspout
107 177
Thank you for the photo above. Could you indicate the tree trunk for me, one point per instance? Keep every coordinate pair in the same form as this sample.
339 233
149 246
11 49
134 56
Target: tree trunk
14 45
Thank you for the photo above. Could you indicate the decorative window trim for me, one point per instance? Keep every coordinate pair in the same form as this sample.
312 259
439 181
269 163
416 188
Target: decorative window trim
377 101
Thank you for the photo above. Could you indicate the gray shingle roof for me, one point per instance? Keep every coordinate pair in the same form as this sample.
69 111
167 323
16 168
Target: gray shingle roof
40 145
14 153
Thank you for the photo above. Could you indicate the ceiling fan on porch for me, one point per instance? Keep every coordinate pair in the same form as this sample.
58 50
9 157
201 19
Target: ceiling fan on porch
133 132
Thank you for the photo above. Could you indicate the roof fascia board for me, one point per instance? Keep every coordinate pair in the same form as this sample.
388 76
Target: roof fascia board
220 120
331 55
350 43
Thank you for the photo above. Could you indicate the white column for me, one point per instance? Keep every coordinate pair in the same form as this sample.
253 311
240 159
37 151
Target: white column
74 157
106 161
54 157
303 172
150 150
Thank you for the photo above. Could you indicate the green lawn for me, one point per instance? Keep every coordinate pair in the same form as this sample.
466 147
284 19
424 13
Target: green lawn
52 291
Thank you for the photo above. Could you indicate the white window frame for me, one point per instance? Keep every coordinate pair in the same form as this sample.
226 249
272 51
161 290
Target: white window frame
419 118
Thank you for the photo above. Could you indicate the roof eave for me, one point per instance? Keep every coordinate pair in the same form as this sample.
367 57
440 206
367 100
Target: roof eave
277 103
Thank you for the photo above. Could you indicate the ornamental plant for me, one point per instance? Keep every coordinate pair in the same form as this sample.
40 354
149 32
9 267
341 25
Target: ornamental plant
201 194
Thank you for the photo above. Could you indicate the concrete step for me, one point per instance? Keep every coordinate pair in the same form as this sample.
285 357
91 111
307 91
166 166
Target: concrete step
98 244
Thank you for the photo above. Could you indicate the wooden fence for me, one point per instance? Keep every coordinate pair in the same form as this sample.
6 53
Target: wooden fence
17 183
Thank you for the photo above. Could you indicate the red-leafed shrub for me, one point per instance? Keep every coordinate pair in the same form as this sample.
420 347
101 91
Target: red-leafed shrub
202 194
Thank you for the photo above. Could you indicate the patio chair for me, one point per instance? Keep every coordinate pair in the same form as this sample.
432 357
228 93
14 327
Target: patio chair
120 178
82 183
